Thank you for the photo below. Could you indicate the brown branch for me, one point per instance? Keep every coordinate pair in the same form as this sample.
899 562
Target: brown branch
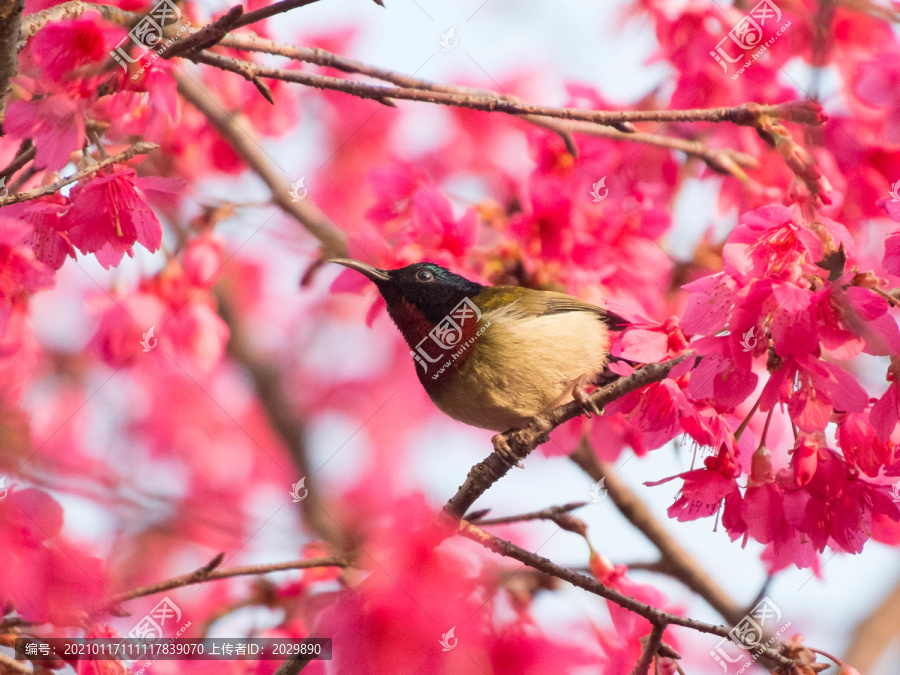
722 160
769 656
748 114
141 148
521 442
209 573
272 10
651 646
875 633
24 154
554 513
277 408
10 21
675 560
333 239
209 35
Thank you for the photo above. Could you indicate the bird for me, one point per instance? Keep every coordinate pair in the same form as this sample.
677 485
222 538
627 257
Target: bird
494 357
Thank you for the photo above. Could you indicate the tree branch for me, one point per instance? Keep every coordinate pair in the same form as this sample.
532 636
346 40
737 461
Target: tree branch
209 35
748 114
721 160
675 560
521 442
209 573
141 148
333 239
554 513
874 634
10 21
769 656
277 409
651 646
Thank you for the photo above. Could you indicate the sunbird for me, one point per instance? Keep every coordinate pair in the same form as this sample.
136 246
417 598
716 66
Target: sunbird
494 356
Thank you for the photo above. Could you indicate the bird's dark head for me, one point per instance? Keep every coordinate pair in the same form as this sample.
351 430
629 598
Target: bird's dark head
424 288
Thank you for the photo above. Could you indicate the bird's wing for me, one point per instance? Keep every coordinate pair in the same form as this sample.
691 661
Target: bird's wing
531 302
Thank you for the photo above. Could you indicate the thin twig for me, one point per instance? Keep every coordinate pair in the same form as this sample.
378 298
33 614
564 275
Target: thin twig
24 154
769 656
141 148
209 35
674 559
721 160
553 513
651 646
334 241
205 574
271 10
748 114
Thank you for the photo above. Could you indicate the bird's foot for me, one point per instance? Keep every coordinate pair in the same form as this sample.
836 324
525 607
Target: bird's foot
501 447
580 395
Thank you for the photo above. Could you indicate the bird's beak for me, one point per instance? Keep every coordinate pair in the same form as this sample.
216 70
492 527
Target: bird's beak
372 273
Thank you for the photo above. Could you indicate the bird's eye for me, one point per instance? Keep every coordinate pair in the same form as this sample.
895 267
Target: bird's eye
425 275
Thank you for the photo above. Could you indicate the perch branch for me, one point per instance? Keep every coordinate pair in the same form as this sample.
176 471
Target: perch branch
521 442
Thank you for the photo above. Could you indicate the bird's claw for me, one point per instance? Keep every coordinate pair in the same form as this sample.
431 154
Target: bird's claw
501 447
586 402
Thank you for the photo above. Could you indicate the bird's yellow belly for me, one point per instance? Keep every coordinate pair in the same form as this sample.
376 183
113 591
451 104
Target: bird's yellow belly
522 367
